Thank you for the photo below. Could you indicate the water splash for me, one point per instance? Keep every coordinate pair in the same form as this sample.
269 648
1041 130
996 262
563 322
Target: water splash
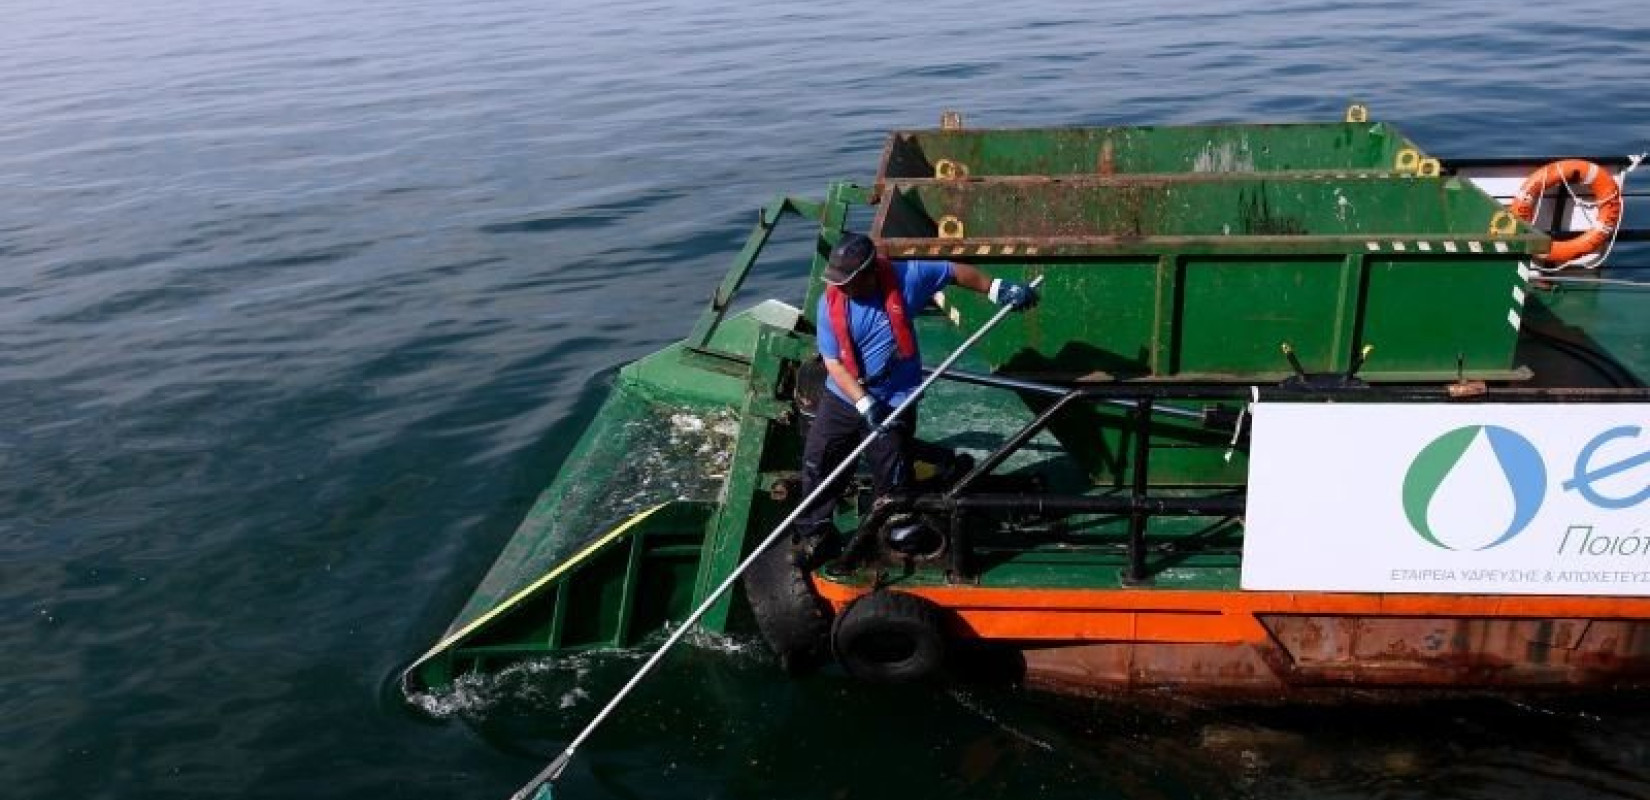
573 680
969 703
561 682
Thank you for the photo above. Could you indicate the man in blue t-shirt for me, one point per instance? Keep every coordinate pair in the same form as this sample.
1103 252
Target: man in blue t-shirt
872 364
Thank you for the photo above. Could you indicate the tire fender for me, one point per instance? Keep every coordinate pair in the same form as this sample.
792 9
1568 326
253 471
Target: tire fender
890 637
795 622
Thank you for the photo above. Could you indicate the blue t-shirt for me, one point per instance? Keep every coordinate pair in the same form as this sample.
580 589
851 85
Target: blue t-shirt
874 337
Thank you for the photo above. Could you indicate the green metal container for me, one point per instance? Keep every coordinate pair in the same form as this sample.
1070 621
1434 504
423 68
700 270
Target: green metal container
1208 277
1335 147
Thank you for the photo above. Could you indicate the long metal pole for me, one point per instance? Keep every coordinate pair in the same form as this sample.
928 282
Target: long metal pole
554 770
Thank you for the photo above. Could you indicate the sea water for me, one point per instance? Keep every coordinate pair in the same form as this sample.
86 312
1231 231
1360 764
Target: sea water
301 303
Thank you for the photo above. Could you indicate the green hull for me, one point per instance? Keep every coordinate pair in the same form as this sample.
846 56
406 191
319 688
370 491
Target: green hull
693 458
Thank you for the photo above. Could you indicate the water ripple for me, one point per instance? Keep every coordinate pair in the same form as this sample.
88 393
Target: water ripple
304 301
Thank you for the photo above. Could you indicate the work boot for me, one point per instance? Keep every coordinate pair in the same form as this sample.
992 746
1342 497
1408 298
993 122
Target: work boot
811 549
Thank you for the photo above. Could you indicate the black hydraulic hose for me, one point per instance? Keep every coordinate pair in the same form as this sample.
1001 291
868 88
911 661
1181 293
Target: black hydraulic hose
1600 362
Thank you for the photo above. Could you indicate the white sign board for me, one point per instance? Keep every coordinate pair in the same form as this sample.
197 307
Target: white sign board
1486 499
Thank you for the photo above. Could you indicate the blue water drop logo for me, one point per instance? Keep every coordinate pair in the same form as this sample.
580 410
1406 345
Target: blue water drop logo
1520 464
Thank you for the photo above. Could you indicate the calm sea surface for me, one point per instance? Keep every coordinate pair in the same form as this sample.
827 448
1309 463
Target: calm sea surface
302 302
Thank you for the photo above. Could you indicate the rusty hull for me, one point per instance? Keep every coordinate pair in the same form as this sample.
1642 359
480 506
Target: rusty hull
1305 653
1279 643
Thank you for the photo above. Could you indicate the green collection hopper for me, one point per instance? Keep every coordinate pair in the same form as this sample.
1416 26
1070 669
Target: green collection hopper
1208 277
1333 147
1204 253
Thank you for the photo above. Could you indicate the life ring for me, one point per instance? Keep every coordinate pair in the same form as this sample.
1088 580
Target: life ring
1606 194
890 637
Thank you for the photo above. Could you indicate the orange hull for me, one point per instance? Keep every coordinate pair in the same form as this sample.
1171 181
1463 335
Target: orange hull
1270 642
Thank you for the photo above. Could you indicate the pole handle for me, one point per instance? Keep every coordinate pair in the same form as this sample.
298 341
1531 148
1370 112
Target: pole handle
552 772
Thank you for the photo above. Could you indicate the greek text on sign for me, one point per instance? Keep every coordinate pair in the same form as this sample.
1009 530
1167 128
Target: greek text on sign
1484 499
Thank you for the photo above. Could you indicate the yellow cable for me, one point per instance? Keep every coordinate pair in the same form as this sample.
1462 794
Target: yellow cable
553 574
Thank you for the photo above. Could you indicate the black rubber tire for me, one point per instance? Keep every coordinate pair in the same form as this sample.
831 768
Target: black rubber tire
890 637
795 622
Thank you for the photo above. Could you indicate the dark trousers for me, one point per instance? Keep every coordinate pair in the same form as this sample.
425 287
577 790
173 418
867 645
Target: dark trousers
837 429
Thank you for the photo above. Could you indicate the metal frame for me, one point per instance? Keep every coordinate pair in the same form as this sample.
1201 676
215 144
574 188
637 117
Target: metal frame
1140 504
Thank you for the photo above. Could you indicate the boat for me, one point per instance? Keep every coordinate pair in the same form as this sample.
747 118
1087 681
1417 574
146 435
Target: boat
1304 408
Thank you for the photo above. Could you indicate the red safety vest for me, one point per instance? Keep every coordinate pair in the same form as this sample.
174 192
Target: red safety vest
893 303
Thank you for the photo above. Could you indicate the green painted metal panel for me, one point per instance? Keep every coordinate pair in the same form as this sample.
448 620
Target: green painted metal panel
1103 213
984 153
732 526
596 595
1236 312
1422 309
663 590
768 440
615 589
1080 321
526 625
1206 277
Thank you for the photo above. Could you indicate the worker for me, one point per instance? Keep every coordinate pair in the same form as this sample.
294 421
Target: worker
872 365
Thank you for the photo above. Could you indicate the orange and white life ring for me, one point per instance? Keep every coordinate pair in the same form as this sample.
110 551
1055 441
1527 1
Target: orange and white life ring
1606 196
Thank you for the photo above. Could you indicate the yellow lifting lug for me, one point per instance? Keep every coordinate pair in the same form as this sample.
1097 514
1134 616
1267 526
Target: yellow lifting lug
950 120
1408 161
1357 112
950 227
1503 223
947 170
1429 168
